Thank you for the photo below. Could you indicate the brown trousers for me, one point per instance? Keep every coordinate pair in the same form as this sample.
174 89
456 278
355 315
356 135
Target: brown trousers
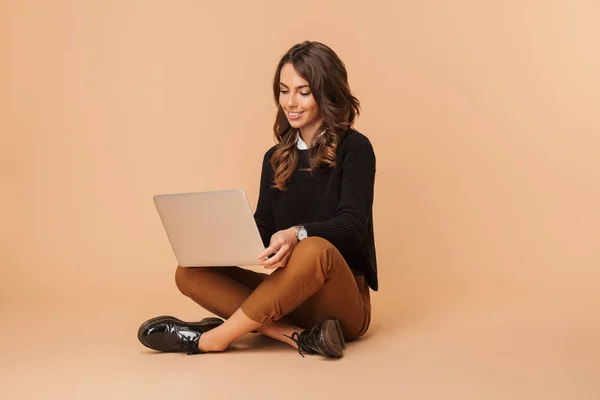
316 284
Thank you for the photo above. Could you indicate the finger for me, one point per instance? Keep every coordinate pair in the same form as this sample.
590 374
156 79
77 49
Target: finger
271 249
272 262
285 259
277 257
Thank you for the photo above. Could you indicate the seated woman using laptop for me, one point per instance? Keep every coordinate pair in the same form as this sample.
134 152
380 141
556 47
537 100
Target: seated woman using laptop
314 212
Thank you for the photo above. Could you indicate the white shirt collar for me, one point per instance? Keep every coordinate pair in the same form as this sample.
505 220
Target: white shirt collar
300 143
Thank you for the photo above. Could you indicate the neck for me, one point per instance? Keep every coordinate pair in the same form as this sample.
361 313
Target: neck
308 132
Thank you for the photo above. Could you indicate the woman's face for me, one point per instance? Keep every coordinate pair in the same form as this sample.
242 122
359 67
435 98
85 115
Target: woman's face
297 101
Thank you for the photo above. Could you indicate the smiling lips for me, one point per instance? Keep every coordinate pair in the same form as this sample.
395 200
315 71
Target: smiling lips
295 115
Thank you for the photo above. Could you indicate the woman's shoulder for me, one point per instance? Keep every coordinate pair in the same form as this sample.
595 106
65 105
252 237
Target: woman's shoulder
269 152
266 161
356 141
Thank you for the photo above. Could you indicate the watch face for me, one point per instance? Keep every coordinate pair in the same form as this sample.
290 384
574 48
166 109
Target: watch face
302 234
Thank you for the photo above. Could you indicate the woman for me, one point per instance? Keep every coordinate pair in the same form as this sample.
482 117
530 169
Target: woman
314 215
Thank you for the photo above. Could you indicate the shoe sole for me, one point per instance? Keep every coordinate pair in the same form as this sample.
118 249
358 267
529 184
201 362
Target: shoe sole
339 328
333 339
200 324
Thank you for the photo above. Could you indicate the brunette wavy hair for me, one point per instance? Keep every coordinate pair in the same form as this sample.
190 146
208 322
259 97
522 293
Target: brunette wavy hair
328 80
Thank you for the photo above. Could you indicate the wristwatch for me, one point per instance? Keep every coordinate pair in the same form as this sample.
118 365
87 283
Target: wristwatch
301 232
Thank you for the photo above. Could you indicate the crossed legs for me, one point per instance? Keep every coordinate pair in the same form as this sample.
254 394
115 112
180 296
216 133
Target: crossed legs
316 284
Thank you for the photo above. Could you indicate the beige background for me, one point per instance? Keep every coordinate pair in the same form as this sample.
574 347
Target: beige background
484 117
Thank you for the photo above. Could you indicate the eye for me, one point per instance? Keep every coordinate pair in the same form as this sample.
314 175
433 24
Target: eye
305 94
282 91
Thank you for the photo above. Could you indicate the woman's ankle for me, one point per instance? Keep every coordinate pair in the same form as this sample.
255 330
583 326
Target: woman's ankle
207 344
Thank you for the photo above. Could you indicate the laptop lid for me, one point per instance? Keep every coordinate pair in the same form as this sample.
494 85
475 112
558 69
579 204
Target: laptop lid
212 228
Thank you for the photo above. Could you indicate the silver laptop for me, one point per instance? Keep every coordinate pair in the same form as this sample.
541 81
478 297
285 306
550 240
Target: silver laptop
214 228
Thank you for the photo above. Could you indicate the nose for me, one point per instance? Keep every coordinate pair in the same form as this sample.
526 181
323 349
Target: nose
291 101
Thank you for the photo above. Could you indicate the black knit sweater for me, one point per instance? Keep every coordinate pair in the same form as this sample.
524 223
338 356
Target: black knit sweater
333 203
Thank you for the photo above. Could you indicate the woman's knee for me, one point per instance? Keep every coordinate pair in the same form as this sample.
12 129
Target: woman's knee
310 250
179 278
183 278
315 246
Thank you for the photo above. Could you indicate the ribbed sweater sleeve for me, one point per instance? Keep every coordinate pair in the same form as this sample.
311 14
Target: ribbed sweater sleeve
264 208
348 229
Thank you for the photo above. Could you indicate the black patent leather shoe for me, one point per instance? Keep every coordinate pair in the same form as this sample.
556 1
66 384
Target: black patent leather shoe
325 338
169 334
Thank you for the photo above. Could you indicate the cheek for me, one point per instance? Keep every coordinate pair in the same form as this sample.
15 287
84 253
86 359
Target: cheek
309 105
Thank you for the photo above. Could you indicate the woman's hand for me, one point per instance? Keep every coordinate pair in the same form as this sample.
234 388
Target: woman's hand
282 243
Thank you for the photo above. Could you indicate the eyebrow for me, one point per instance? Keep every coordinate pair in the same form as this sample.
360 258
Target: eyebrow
297 87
